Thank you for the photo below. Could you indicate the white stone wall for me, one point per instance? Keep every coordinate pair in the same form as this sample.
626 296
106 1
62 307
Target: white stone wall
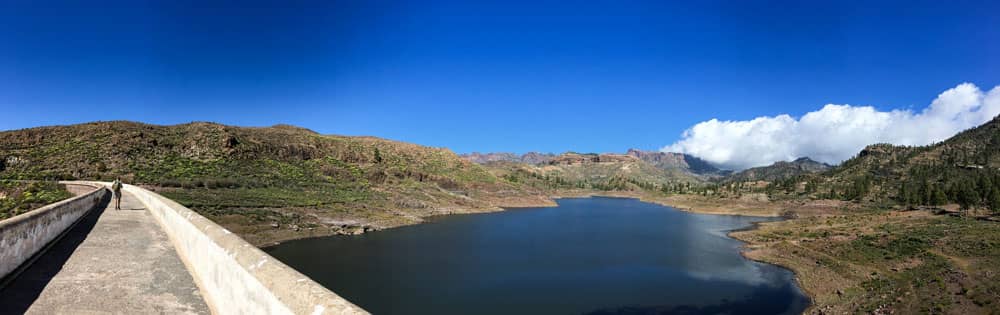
22 236
234 276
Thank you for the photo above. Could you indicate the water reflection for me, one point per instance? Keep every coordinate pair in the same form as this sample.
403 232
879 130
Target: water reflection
589 255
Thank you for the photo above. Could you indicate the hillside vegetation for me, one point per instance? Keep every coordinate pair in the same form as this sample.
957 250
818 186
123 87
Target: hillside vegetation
779 170
963 170
527 158
876 254
867 261
17 197
591 172
636 169
679 162
267 183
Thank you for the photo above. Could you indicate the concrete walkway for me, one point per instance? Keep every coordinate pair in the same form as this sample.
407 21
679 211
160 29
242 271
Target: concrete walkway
112 262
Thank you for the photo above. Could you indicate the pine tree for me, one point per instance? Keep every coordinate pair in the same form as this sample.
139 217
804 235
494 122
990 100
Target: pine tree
938 198
993 199
968 198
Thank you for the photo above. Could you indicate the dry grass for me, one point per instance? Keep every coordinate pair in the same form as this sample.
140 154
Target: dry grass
855 261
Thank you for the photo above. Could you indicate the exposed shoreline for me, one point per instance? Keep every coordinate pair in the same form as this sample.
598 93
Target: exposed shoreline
796 274
748 245
752 249
700 205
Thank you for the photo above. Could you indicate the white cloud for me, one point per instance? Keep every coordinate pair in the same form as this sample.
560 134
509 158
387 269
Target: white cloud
836 132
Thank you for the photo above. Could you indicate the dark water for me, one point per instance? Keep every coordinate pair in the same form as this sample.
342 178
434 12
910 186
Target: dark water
587 256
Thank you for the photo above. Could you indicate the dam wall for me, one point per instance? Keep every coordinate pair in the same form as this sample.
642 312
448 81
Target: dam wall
23 237
234 276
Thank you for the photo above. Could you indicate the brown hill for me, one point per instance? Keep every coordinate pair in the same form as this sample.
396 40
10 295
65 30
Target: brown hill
527 158
964 169
779 170
680 161
251 178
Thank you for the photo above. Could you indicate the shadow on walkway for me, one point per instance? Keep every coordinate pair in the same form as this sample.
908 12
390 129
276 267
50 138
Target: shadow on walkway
23 290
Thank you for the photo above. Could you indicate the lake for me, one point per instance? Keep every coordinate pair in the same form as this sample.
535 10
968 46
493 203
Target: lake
586 256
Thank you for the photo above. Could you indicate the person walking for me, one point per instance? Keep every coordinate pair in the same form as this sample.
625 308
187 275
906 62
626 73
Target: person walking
116 187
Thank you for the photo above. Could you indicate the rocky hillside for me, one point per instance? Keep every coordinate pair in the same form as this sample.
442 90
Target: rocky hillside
604 171
678 161
779 170
527 158
591 168
260 180
573 158
964 170
483 158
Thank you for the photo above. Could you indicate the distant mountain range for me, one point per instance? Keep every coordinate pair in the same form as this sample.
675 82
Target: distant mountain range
664 160
598 169
780 170
669 166
669 160
527 158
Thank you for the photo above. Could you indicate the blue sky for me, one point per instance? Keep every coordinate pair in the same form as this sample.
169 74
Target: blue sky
480 75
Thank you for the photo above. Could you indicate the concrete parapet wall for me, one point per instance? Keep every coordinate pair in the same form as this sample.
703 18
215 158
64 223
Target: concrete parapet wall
234 276
23 236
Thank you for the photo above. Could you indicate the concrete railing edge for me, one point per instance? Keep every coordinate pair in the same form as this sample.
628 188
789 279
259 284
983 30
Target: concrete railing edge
27 216
9 266
235 276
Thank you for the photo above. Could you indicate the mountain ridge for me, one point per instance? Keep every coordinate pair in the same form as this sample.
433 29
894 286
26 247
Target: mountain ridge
779 170
527 158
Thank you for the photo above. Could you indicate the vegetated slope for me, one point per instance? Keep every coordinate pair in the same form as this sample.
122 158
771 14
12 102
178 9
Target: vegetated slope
678 161
17 197
593 171
872 256
872 260
260 180
779 170
633 171
611 171
527 158
886 262
964 170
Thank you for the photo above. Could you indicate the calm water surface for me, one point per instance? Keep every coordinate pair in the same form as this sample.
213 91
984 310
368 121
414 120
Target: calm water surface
587 256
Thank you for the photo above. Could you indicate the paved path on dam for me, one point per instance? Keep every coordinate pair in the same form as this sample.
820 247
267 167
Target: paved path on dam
112 261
